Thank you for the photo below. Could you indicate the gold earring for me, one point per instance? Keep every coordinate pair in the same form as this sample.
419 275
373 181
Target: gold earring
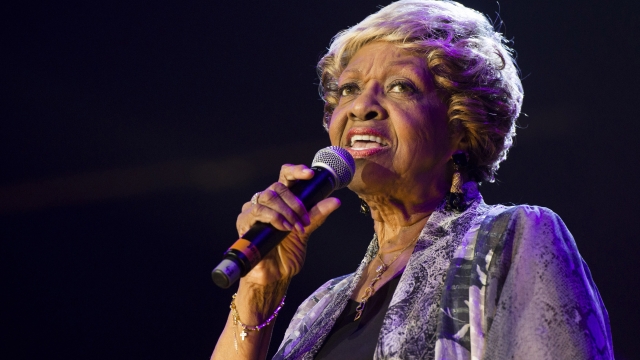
455 197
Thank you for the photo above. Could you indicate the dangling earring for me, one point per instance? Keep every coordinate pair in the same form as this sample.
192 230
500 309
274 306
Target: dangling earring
455 197
364 208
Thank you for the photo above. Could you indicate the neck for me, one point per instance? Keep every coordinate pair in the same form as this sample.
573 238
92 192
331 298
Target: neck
396 238
396 222
401 209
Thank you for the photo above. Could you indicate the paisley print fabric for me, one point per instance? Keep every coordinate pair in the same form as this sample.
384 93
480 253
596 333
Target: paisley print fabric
492 282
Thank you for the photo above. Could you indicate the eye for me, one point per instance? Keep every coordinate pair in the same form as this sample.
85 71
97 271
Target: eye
401 86
348 89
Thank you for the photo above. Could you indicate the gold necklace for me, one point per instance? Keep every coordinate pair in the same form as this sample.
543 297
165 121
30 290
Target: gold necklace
379 271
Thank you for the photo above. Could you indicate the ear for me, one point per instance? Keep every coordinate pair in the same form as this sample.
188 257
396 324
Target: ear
459 140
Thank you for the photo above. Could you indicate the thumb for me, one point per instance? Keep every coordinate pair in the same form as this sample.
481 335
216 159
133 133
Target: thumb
319 213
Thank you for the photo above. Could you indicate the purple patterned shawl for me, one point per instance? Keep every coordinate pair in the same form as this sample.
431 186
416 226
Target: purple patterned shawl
492 282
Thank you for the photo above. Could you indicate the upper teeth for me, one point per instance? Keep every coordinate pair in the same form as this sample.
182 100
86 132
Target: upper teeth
355 138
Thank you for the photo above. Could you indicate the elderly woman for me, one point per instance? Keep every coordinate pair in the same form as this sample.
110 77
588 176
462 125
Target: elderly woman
424 94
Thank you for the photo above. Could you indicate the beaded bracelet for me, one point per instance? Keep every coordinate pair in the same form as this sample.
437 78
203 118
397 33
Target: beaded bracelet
245 327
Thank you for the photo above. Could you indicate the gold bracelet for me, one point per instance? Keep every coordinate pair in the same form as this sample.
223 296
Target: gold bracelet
245 327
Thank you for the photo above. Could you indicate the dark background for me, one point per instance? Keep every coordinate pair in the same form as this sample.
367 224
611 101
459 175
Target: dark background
132 132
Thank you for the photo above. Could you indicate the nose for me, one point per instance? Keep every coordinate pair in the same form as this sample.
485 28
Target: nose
367 105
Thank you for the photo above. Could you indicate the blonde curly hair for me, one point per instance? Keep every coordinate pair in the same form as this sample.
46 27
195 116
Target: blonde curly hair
469 60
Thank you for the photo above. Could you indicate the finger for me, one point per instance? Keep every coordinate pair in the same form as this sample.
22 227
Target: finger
321 211
272 199
289 174
292 202
261 213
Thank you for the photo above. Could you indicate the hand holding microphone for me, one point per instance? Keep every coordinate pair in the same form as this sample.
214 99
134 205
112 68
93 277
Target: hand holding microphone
282 217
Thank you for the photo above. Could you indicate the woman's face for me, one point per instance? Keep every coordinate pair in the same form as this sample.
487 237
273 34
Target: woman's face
391 120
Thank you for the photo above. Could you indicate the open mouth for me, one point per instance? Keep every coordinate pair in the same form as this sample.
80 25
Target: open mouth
365 142
361 142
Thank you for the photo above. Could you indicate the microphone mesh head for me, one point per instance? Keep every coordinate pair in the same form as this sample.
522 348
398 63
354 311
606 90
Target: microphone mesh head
339 162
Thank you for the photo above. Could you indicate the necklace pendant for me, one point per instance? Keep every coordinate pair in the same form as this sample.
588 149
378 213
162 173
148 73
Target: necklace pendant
243 335
382 268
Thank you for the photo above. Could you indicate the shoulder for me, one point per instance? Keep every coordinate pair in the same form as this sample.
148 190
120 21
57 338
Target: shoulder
531 238
522 224
545 289
537 236
531 214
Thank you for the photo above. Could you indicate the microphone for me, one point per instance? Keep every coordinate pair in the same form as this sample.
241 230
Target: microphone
333 169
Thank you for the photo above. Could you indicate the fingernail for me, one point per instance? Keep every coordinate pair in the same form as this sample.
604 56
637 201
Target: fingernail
308 171
287 225
300 228
306 219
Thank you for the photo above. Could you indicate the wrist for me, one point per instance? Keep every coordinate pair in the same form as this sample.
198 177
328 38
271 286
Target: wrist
246 328
257 301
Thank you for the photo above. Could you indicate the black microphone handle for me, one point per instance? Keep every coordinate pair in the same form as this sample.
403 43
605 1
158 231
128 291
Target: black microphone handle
245 253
